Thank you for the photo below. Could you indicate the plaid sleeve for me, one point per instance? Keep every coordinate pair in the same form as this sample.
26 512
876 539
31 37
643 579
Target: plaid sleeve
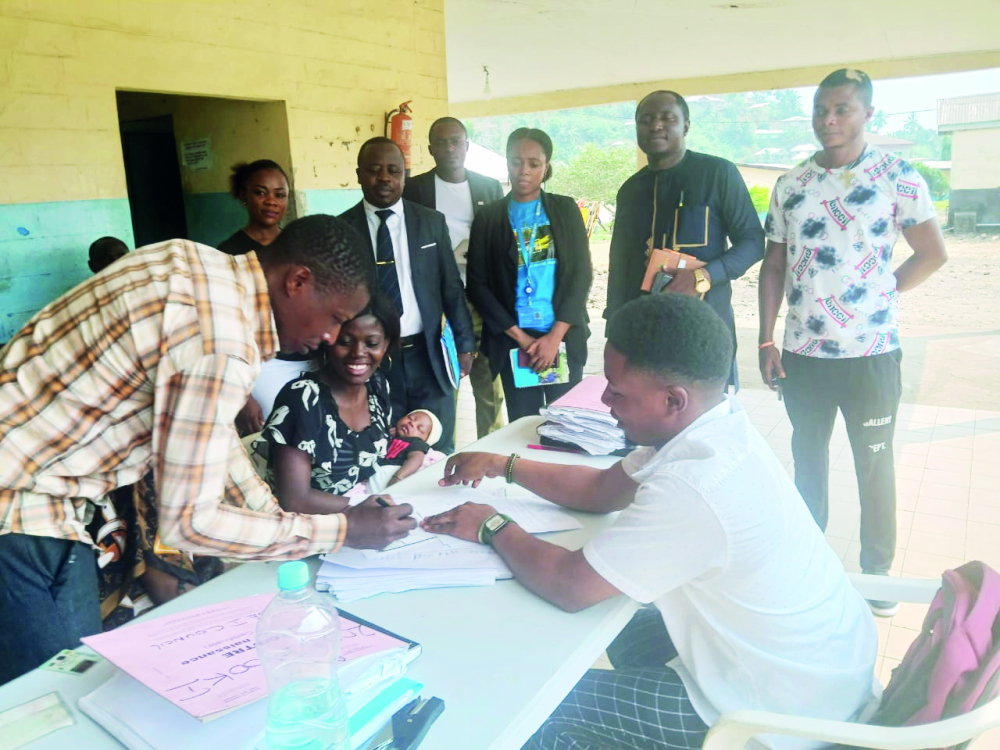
206 488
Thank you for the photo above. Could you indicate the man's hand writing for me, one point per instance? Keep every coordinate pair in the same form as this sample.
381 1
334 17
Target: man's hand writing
372 526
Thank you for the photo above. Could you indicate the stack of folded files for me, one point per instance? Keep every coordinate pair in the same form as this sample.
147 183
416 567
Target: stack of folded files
423 560
192 679
580 419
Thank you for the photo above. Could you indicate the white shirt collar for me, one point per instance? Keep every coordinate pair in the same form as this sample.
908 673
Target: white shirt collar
396 208
729 405
644 462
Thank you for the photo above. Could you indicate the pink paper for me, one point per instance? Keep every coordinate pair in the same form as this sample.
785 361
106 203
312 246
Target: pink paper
205 660
586 395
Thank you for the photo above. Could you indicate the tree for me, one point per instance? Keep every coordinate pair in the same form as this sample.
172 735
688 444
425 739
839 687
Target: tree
595 173
878 121
937 182
761 197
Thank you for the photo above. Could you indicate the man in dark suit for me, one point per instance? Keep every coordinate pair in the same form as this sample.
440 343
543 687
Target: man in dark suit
417 272
459 193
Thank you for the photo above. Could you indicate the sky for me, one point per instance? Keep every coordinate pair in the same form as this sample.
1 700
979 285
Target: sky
920 94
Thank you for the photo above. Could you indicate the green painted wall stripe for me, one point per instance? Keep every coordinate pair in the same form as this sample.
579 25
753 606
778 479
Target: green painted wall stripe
43 246
212 217
43 251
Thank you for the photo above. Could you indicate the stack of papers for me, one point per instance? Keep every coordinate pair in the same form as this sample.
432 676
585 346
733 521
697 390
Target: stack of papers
580 418
423 560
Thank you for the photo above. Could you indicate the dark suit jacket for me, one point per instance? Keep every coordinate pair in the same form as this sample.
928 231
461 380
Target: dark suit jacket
492 276
485 190
436 282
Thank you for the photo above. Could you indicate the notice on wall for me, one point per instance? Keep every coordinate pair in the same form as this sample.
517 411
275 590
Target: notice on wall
197 154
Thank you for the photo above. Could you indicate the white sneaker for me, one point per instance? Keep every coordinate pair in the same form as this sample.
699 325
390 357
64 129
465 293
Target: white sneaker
882 608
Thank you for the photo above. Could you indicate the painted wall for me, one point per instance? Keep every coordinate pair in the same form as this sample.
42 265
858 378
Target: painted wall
975 159
984 203
338 66
760 176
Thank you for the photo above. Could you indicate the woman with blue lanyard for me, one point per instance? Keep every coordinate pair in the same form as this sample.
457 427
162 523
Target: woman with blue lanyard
529 275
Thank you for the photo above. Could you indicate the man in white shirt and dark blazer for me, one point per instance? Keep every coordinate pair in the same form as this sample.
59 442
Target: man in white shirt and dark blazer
418 272
459 194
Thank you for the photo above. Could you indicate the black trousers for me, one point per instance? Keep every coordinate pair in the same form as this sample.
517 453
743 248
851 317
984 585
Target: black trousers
413 385
525 402
867 391
48 601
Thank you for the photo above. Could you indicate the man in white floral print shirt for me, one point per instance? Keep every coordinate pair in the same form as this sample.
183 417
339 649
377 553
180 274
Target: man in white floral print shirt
831 229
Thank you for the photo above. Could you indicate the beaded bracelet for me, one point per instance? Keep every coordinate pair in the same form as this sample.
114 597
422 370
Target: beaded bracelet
509 473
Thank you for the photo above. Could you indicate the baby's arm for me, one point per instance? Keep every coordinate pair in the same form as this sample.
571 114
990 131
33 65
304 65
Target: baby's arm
411 465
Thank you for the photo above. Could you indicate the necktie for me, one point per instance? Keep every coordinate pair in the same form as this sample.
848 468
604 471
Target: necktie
385 259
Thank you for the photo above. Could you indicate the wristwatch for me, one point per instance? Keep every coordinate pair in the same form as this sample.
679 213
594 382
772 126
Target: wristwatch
701 282
491 526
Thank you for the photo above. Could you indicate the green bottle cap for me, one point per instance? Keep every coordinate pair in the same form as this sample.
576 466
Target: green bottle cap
293 575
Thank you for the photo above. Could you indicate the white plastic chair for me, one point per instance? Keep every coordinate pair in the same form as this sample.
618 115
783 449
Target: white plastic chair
733 731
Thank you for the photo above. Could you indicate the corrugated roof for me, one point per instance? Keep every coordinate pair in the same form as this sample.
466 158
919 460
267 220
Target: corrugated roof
968 110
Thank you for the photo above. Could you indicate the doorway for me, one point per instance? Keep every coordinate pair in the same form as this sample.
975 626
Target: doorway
153 180
179 151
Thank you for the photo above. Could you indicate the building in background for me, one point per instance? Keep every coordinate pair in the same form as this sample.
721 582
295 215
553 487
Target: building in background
974 125
891 145
123 119
762 175
488 162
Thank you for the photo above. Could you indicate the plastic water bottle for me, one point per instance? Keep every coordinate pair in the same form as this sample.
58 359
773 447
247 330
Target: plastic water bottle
298 640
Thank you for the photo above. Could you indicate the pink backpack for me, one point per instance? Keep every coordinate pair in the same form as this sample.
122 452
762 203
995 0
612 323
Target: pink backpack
954 664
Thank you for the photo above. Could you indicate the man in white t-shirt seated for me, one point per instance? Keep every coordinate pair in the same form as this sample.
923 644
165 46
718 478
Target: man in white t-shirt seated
751 607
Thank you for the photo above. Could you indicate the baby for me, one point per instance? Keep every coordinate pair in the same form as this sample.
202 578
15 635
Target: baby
409 450
411 445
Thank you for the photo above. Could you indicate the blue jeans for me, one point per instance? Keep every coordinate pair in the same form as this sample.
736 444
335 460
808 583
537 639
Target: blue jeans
48 600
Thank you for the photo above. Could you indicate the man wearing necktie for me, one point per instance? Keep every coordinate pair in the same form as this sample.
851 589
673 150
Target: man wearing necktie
418 273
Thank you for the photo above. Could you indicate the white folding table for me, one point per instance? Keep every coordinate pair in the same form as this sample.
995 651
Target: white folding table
501 658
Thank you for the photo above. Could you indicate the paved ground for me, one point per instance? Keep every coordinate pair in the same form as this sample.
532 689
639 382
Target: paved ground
949 325
947 439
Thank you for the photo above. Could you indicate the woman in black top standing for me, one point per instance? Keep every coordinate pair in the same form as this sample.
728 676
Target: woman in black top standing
262 186
529 275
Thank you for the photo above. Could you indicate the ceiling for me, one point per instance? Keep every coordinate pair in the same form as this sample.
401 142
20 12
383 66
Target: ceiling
534 47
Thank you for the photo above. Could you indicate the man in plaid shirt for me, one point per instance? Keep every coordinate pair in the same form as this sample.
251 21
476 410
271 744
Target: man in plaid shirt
146 365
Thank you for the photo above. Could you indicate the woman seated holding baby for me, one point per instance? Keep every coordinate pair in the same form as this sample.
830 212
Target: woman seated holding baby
329 432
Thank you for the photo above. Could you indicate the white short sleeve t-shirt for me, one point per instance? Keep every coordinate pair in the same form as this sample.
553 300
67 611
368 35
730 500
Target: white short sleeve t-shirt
840 226
756 603
454 200
274 375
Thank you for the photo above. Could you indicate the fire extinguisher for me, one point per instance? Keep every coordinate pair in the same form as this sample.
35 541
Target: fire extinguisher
401 130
